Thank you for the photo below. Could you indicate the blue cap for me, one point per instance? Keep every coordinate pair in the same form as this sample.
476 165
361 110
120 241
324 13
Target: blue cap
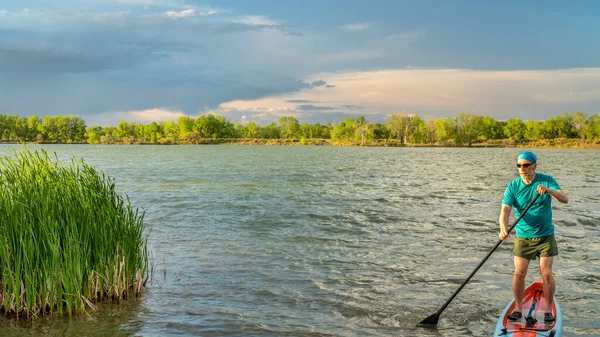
529 156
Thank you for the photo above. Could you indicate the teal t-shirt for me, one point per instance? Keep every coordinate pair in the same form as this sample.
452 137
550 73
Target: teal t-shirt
537 222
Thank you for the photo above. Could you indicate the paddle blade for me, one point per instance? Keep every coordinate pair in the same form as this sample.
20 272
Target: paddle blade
430 322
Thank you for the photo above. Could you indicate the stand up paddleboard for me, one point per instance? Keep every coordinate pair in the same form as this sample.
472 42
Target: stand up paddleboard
532 322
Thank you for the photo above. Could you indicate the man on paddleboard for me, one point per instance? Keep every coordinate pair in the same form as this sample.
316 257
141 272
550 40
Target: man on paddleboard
535 232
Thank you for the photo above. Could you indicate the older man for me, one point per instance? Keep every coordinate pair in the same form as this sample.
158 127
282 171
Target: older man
535 232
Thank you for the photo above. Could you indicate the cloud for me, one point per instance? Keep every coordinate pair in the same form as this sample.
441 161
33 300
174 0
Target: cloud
39 43
140 116
316 84
429 93
155 115
255 20
356 27
435 93
407 35
572 96
300 101
310 107
186 14
112 58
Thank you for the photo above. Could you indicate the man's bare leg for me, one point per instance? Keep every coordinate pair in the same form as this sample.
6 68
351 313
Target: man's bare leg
548 278
518 283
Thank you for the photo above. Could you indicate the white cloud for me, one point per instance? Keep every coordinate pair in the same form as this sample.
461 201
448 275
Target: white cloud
181 14
138 116
255 20
356 27
156 114
188 13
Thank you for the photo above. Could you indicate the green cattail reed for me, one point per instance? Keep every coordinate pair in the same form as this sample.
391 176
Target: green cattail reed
67 239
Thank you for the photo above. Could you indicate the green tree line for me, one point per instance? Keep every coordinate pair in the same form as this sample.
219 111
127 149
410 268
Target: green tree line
404 129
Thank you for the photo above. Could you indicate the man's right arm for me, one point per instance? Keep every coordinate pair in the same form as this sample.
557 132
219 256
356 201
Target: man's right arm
504 215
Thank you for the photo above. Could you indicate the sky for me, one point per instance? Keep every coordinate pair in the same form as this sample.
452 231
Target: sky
319 61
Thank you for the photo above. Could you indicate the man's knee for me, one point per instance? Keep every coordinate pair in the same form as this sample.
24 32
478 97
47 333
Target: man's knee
520 274
546 274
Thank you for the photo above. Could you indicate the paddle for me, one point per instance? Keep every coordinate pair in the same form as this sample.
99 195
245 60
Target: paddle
432 320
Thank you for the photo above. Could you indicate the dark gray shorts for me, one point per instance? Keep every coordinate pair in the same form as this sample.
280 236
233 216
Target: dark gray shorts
532 248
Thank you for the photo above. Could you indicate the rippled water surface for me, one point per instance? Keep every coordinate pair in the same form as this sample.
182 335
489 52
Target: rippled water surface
328 241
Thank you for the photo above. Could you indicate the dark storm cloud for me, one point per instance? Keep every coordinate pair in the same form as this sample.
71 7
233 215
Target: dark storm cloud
316 84
90 63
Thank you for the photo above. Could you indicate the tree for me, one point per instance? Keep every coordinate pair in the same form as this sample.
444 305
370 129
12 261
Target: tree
290 127
515 129
305 131
400 127
252 130
419 132
49 129
154 132
491 129
270 131
186 125
170 131
211 126
380 131
33 124
326 130
444 129
467 128
362 130
344 132
431 132
581 124
93 134
77 127
559 127
593 129
20 127
566 127
139 133
534 130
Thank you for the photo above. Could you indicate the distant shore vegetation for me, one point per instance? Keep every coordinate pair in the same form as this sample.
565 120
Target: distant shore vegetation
567 130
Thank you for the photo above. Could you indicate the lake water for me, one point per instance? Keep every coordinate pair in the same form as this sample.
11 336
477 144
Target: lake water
330 241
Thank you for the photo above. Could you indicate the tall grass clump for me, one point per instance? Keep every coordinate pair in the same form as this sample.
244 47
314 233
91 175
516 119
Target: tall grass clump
67 239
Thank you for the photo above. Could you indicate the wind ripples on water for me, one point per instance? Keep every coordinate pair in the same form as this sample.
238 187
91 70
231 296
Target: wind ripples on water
326 241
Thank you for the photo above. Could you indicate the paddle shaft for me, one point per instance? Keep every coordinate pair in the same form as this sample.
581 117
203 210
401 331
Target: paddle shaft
485 258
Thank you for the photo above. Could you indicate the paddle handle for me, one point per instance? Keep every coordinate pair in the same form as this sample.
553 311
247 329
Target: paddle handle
486 257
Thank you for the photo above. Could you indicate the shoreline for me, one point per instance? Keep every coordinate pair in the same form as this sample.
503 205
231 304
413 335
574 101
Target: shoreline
561 143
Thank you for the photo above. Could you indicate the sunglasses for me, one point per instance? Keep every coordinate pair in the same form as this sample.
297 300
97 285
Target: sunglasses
524 165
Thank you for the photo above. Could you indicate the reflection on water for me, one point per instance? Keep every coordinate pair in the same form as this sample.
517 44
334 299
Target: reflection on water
108 320
325 241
